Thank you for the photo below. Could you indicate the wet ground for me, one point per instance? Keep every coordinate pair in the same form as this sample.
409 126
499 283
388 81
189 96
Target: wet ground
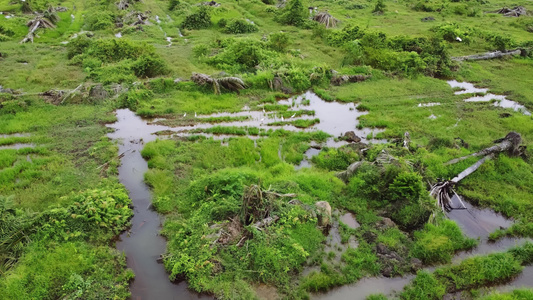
142 244
475 222
500 100
335 118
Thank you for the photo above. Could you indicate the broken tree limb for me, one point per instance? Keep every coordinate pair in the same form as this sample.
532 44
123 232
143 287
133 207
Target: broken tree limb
488 55
510 143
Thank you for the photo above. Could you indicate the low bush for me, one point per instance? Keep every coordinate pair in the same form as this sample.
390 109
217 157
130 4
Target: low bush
240 26
198 20
438 243
334 159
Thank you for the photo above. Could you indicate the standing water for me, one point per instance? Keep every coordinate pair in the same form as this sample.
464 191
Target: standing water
142 244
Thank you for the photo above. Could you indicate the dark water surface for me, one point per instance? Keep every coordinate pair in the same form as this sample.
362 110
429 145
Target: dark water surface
143 244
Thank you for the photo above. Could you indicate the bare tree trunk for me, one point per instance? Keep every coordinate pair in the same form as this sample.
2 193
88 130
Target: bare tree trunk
509 143
29 36
441 191
488 55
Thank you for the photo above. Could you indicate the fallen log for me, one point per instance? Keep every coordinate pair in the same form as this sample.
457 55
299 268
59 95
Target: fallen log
488 55
346 175
233 84
443 190
342 79
510 143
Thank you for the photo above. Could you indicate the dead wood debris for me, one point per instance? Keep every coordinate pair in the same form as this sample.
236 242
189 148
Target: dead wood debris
325 18
516 11
443 191
342 79
233 84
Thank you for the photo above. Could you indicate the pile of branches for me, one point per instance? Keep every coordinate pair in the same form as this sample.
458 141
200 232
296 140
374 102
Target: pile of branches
325 18
443 191
516 11
45 20
342 79
233 84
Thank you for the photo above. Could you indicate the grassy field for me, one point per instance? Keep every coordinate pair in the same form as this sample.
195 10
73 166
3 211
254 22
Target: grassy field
61 205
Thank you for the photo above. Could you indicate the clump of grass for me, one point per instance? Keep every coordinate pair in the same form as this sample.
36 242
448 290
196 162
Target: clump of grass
300 123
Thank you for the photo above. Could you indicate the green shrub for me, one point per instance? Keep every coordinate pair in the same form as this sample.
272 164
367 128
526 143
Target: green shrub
149 66
428 6
294 14
334 159
437 244
379 8
99 19
407 186
5 33
479 271
198 20
240 26
278 41
78 46
172 4
222 23
451 31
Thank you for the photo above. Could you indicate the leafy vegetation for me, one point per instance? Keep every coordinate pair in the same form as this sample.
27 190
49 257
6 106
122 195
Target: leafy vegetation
62 207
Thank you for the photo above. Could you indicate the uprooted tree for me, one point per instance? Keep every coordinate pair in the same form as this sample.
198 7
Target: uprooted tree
443 191
233 84
46 20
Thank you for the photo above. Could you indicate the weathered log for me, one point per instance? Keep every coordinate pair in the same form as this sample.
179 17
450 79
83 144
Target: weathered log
326 19
488 55
231 83
346 175
516 11
441 191
341 79
510 143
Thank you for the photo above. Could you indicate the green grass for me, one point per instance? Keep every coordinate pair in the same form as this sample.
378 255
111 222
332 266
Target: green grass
199 182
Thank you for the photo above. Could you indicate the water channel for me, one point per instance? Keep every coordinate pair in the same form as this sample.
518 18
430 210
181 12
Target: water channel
143 245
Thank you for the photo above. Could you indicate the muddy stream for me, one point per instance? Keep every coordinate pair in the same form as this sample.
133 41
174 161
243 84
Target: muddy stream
143 245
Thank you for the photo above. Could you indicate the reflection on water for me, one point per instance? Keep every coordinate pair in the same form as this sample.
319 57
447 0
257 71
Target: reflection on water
142 244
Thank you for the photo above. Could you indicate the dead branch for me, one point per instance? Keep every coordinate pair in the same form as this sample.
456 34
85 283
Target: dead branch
406 140
280 195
